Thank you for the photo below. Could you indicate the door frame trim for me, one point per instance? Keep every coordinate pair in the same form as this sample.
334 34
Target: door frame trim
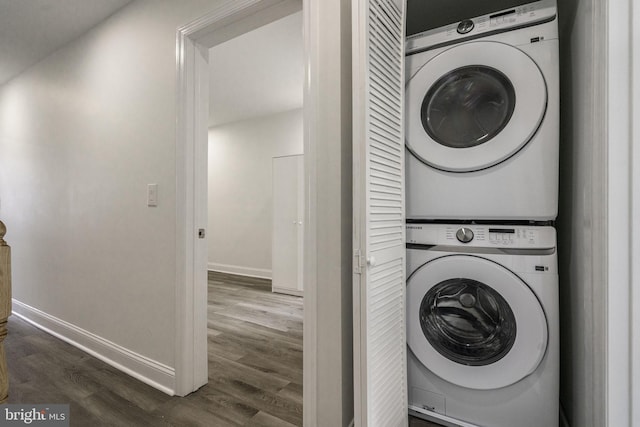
232 18
621 201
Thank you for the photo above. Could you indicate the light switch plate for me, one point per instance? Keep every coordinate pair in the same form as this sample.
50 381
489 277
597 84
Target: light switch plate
152 195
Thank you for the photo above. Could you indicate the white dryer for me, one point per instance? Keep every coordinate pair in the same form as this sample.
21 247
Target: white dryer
482 117
482 325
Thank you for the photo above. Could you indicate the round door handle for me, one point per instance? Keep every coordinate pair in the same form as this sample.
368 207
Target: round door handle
371 261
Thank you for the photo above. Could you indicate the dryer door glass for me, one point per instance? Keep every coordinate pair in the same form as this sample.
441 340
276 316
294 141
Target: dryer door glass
468 106
467 322
473 106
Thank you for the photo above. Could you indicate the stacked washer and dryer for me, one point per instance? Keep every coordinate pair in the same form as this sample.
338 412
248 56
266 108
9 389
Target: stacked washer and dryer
482 139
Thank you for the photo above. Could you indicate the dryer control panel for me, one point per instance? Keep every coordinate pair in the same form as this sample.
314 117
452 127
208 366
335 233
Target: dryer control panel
482 236
504 20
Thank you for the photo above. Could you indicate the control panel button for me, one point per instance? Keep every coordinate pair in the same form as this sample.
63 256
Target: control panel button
465 26
464 235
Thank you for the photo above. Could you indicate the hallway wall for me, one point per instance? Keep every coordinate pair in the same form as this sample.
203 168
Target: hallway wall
82 133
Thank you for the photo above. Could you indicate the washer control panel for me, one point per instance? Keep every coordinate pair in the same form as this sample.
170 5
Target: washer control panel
497 236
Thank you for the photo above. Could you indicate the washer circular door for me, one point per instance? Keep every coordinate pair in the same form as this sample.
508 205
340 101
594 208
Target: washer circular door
474 323
474 106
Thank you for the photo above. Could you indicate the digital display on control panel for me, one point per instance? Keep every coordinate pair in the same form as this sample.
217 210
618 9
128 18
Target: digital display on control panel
502 230
500 15
423 15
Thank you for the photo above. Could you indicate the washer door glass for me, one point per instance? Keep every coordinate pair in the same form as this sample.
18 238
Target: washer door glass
468 106
473 322
468 322
473 106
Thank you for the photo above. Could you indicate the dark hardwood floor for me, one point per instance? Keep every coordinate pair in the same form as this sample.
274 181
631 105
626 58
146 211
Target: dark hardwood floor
255 368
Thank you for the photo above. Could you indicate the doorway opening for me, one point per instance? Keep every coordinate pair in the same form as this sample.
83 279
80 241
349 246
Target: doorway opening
255 220
231 20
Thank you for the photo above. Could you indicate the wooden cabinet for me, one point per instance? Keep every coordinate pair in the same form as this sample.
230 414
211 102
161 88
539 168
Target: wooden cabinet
288 227
5 309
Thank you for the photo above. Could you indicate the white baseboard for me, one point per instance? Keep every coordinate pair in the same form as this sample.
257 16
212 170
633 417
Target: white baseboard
151 372
287 291
261 273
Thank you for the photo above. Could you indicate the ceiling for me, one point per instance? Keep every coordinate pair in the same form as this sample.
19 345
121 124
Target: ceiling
30 30
257 73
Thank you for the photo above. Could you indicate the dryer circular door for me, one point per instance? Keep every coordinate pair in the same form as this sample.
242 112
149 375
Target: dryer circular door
473 106
474 323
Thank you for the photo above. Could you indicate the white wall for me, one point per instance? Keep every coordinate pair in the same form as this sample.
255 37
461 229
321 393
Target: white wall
582 211
240 193
82 133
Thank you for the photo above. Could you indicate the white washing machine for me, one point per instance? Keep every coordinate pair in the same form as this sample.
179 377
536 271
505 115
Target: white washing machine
482 117
482 325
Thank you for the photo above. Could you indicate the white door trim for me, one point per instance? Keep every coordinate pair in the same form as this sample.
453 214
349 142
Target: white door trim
311 19
623 211
193 40
634 217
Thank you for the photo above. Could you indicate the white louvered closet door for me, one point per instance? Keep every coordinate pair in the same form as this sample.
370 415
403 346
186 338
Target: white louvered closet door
379 242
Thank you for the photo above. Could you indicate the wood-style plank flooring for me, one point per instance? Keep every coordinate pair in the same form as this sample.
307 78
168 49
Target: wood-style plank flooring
255 368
